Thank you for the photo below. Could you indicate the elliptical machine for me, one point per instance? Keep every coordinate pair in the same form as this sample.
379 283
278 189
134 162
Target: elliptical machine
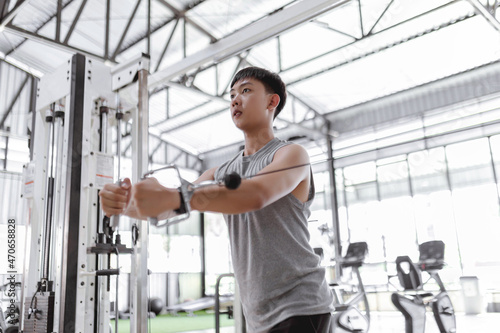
348 317
414 300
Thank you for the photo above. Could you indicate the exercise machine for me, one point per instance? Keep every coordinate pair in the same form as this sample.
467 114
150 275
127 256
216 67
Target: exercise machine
71 246
349 316
414 300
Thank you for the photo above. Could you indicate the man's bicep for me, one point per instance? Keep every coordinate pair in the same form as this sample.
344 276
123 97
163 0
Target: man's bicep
290 166
293 158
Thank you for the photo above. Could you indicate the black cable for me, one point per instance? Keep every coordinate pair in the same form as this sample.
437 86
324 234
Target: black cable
30 310
288 168
278 170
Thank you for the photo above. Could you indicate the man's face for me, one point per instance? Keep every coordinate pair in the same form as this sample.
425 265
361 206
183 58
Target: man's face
249 103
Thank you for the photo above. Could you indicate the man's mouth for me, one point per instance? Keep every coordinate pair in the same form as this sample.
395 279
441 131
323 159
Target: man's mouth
236 113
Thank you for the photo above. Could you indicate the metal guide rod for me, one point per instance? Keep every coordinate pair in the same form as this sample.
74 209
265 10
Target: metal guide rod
101 264
49 187
104 127
57 159
115 219
54 118
103 148
119 116
139 280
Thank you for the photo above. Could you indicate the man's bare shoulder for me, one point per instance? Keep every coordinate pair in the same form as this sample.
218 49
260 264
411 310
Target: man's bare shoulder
293 152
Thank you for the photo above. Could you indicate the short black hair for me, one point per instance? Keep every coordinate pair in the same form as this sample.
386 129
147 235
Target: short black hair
271 81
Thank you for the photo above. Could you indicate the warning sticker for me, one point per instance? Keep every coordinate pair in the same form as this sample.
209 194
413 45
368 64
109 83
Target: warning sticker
28 180
104 170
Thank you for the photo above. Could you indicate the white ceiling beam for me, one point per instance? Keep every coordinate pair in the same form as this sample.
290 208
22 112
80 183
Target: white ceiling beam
10 15
485 13
247 37
33 36
20 65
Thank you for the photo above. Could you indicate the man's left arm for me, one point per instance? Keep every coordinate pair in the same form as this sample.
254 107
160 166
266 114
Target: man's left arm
273 182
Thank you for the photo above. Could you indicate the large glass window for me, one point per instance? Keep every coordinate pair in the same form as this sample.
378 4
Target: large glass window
396 229
428 171
469 163
448 193
392 176
360 183
434 220
476 212
476 207
217 254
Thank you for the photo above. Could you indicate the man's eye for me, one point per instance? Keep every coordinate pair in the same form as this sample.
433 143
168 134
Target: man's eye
231 96
246 90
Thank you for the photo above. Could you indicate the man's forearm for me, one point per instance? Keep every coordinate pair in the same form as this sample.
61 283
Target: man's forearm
248 197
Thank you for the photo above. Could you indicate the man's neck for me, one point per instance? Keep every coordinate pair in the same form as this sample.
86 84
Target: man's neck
255 141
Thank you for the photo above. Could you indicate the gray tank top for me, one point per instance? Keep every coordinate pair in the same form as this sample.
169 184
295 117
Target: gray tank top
278 273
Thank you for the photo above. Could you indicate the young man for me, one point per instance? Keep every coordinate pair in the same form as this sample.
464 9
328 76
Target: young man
282 286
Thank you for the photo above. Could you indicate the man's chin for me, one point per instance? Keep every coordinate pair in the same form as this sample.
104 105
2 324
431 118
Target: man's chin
238 124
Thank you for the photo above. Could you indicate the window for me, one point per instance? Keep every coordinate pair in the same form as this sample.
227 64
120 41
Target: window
360 183
469 163
392 176
428 171
477 216
217 254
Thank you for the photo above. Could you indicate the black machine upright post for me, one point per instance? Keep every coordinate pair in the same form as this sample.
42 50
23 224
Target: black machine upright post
72 212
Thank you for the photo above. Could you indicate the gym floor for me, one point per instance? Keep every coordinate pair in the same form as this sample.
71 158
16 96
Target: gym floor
393 322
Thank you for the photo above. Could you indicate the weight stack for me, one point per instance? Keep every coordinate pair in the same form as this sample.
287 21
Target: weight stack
42 315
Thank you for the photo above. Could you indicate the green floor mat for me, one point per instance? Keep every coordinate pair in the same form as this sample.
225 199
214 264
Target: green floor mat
178 323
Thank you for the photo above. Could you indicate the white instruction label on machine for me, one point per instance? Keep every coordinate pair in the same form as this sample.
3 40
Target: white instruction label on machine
28 180
104 169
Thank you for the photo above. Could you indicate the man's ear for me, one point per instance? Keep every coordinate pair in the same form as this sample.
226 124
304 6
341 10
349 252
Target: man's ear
274 101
